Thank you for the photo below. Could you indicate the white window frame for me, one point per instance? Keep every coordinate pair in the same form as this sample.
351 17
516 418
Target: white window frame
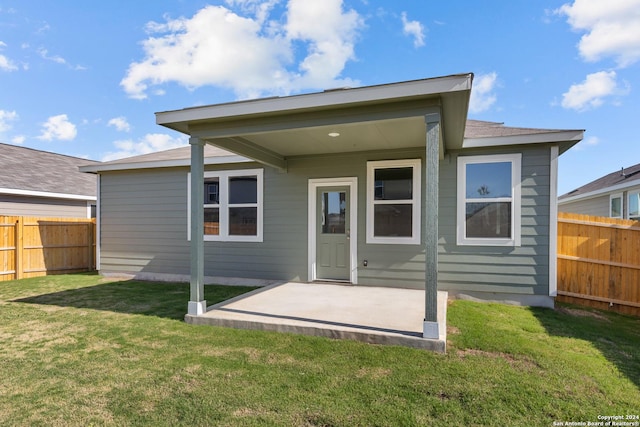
414 239
616 196
516 166
223 205
629 194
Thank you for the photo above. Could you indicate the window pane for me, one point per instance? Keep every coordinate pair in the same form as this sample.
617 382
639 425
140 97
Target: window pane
489 220
211 191
393 184
243 189
333 212
616 207
243 221
634 205
488 180
392 220
211 221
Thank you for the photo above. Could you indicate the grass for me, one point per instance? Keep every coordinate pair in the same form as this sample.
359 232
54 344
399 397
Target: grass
83 350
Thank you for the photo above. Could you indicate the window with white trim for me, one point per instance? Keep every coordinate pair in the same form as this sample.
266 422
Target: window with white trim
489 200
232 205
393 201
634 205
615 205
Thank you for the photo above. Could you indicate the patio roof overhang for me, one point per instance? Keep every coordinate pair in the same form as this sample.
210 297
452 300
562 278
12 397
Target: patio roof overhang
383 117
428 113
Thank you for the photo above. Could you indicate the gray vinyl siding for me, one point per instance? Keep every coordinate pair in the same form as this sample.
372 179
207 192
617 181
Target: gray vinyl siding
144 228
13 205
143 221
387 265
517 270
597 206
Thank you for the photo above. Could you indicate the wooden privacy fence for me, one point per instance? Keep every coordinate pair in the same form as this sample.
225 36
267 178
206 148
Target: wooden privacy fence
31 247
599 262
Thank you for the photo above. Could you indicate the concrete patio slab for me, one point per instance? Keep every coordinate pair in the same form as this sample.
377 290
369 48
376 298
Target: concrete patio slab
374 315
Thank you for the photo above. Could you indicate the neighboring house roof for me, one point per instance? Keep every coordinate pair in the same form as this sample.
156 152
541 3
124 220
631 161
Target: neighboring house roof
615 181
475 130
30 172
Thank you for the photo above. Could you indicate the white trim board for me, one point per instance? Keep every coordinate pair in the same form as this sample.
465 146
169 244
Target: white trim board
314 184
33 193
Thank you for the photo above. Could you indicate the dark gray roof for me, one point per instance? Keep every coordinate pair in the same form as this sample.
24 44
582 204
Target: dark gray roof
181 156
474 129
483 129
180 153
630 175
23 168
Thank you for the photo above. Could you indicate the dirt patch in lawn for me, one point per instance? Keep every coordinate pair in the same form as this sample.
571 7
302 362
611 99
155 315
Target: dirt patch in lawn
582 313
513 361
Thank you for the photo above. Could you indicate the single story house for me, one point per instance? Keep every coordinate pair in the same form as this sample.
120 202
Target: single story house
615 195
42 184
386 185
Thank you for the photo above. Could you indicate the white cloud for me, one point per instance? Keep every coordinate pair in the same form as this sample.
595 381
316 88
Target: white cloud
58 127
44 53
482 92
150 143
259 8
331 35
5 63
120 123
414 29
251 55
587 142
5 118
18 140
612 28
592 91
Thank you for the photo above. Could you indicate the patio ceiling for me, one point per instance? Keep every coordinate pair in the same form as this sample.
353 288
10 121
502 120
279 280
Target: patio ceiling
270 130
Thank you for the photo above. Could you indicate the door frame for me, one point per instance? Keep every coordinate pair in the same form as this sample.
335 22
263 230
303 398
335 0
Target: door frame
314 185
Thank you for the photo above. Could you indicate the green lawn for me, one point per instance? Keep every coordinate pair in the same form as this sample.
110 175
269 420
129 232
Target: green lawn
83 350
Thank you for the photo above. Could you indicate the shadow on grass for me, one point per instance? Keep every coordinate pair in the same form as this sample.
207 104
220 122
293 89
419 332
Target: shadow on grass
616 336
168 300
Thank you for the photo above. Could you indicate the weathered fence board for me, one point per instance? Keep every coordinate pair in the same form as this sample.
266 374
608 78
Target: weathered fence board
599 262
31 246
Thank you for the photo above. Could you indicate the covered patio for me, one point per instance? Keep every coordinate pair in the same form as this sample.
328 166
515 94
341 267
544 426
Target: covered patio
428 115
373 315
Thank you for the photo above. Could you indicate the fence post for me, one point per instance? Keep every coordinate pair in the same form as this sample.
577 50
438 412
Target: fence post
90 227
19 247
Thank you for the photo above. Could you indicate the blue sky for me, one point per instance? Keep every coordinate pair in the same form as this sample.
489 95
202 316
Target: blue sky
85 78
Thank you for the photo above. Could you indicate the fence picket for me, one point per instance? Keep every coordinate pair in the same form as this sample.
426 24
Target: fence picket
32 246
599 262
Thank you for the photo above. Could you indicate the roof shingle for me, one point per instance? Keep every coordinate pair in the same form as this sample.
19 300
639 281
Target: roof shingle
23 168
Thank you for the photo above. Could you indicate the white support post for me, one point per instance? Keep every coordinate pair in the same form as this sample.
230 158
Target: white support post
431 328
197 304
